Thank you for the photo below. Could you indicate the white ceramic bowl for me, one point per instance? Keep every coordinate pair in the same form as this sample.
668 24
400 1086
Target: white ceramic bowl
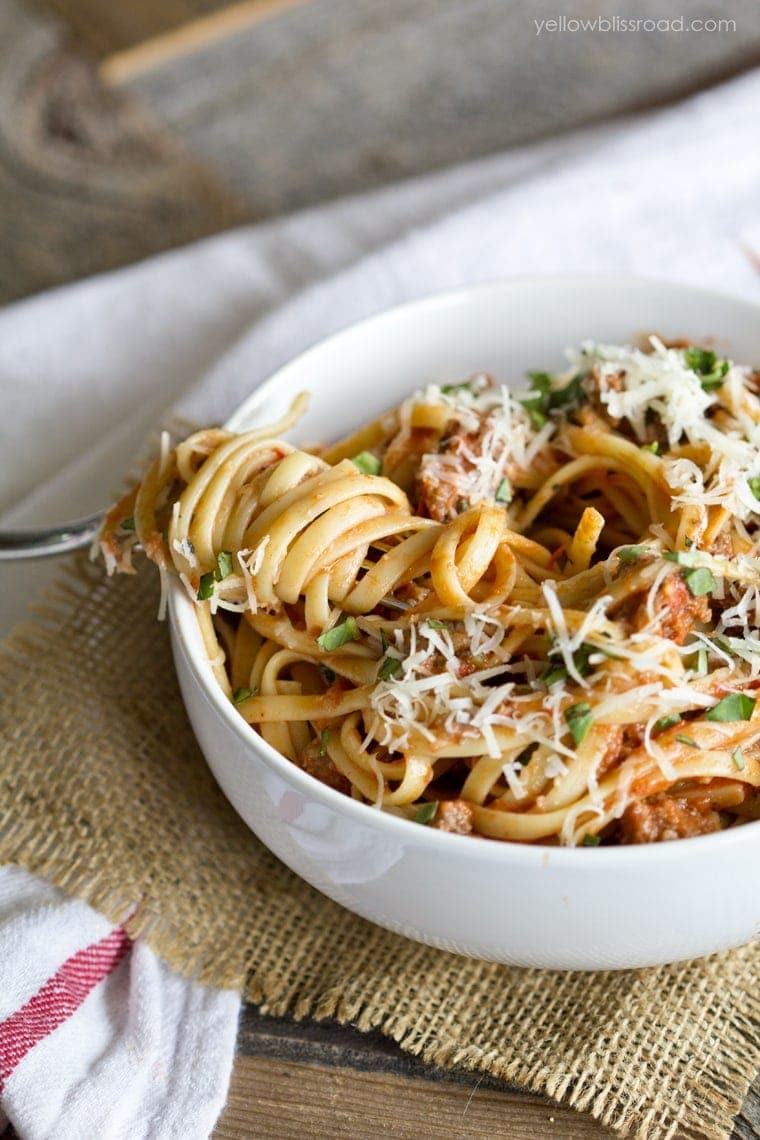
586 908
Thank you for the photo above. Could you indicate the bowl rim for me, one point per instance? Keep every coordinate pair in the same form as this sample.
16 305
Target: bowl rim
181 611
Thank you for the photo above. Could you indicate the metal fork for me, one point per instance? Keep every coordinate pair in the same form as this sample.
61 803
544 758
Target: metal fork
43 542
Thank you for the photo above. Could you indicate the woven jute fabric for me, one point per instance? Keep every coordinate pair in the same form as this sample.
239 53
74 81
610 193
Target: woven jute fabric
105 793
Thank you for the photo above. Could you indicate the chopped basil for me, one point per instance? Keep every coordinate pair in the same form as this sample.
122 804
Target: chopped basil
504 492
537 418
582 655
367 462
708 367
590 841
736 706
753 483
553 674
541 383
666 722
547 398
686 740
339 635
681 557
426 813
712 383
581 658
328 675
631 553
242 695
652 447
738 759
579 720
206 586
699 582
127 524
324 736
389 667
700 360
522 759
224 565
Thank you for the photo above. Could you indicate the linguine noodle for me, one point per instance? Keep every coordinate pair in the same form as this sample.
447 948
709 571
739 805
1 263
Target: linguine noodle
533 617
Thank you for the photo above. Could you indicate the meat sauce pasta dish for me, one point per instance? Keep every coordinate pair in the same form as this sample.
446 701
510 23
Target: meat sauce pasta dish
525 615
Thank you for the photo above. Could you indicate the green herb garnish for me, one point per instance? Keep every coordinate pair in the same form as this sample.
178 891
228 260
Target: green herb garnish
681 557
504 492
666 722
736 706
710 370
579 720
339 635
631 553
553 674
537 417
426 813
206 585
522 759
224 565
547 399
367 462
389 667
699 582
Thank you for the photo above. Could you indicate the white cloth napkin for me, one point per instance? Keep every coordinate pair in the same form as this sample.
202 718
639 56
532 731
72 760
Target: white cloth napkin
97 1037
85 372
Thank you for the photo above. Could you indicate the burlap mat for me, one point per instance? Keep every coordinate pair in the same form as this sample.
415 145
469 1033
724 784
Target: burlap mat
105 792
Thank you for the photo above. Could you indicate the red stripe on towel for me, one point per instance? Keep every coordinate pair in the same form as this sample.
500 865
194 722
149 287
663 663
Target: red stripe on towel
60 996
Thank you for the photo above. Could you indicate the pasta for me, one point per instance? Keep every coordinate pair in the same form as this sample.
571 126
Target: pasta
528 616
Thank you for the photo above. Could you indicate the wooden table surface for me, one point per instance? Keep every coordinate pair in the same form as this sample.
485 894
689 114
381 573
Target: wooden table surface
129 128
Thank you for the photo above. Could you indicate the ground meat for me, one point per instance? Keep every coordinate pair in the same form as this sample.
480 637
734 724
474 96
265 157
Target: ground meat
664 817
634 735
723 545
443 488
613 738
411 592
454 816
676 609
323 769
614 381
